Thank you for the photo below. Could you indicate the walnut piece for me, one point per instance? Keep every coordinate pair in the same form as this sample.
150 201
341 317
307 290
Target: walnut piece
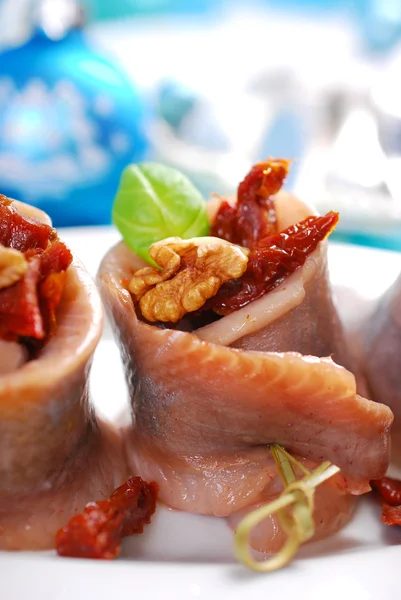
192 271
13 266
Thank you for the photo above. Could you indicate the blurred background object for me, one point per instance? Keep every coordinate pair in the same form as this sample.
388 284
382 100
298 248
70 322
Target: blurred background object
70 120
208 86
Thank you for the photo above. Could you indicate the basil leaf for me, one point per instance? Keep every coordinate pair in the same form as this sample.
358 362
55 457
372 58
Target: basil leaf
154 202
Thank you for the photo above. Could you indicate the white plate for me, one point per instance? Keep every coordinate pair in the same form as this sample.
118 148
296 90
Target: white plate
184 557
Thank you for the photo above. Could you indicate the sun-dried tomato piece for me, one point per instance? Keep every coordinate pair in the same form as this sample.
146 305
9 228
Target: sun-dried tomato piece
138 499
271 260
390 492
20 232
97 532
55 258
253 216
252 222
27 308
391 515
19 306
50 294
389 489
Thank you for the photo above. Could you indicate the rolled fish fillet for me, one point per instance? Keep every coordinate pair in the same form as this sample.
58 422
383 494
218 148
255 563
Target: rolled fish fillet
380 345
206 403
55 456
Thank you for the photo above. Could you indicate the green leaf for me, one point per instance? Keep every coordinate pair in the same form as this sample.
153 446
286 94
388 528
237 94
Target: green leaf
154 202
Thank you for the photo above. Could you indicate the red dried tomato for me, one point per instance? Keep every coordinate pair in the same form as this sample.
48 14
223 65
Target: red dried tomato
253 216
391 515
390 491
55 258
20 232
271 260
97 532
27 308
50 293
19 306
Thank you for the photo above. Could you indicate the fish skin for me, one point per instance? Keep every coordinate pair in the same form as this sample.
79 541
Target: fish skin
216 484
55 455
297 332
380 347
176 383
284 322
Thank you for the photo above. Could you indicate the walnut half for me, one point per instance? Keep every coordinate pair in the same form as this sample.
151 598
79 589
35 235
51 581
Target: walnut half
13 266
192 271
